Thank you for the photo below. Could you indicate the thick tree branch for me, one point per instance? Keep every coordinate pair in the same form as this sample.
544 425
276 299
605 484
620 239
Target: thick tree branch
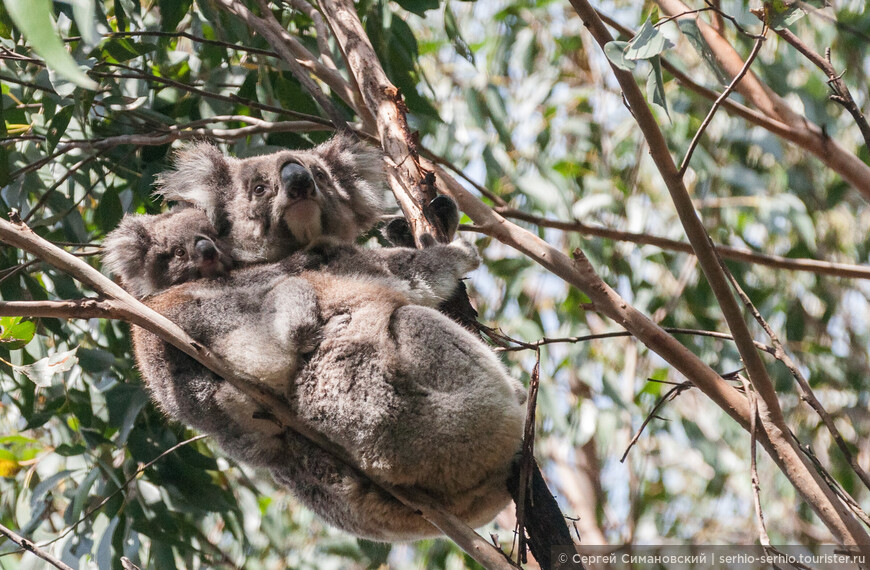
411 184
291 50
131 310
288 48
803 476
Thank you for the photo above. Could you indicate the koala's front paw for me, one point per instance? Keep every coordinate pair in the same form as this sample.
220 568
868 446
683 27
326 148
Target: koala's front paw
469 257
398 233
446 212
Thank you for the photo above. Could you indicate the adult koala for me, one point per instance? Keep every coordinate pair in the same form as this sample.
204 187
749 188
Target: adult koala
336 333
346 337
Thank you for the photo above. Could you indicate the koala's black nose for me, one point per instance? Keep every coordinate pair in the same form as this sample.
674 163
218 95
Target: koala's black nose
297 181
206 248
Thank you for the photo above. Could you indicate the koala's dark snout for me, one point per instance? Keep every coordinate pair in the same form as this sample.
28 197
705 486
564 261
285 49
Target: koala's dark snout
297 181
206 248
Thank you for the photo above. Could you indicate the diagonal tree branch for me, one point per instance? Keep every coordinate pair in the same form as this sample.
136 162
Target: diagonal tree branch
283 43
841 92
803 476
29 546
410 183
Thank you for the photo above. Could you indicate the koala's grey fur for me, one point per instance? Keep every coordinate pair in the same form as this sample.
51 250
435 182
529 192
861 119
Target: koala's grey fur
248 203
415 399
152 253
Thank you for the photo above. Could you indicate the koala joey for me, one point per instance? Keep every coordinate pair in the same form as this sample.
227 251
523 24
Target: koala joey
273 205
344 336
152 253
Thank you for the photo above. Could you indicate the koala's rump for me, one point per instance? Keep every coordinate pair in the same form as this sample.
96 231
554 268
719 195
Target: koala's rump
418 402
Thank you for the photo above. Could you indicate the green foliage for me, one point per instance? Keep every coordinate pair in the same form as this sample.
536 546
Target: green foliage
514 94
33 18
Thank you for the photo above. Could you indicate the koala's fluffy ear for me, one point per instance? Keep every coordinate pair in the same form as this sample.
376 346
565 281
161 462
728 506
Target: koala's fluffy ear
201 176
124 252
358 168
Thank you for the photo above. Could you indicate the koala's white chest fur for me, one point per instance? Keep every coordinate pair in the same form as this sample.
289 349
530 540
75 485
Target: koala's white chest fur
303 219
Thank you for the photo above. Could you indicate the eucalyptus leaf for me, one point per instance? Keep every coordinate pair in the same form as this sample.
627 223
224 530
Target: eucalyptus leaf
655 86
33 18
15 332
647 43
690 29
42 371
615 52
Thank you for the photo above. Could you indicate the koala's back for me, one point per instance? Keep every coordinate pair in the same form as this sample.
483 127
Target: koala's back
415 399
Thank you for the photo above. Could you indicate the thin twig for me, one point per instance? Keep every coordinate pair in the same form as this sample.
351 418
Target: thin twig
833 269
189 36
72 170
615 334
269 28
496 199
804 387
192 132
835 485
731 86
753 467
841 92
667 397
123 486
210 95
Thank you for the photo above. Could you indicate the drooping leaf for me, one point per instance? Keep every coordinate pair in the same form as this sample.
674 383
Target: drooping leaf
690 29
655 85
452 30
58 126
33 18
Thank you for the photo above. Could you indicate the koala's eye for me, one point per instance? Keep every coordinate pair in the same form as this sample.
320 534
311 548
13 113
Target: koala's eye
180 252
319 174
259 190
